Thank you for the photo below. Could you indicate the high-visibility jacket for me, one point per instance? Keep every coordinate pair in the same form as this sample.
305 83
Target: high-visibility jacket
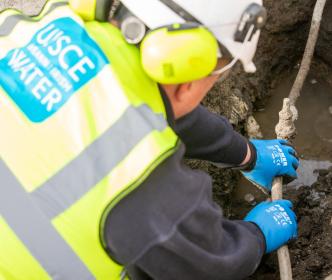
81 127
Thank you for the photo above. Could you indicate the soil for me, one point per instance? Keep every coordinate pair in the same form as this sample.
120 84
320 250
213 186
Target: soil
279 54
314 126
311 253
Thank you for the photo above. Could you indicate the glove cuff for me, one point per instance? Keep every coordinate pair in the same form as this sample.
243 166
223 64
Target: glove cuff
250 165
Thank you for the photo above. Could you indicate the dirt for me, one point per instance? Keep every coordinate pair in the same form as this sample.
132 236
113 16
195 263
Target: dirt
279 54
311 253
280 49
314 126
325 37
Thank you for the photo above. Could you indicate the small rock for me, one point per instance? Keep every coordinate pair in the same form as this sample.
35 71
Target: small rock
253 128
313 81
302 242
250 199
313 203
316 263
322 172
305 226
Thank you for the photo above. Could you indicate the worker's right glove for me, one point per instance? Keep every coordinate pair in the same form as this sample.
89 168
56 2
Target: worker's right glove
273 158
276 220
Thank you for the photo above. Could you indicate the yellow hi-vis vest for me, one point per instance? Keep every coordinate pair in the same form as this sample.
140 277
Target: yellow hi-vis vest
81 127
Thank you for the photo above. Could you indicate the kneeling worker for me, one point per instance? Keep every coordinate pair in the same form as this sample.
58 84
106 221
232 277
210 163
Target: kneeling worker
96 119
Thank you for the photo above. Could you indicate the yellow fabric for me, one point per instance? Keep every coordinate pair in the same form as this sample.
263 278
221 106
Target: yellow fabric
72 224
85 8
49 146
61 132
17 263
125 59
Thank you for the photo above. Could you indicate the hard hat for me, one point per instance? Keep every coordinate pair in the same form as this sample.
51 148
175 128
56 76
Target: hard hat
235 24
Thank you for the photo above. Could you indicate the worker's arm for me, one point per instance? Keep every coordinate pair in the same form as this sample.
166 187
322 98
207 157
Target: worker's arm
209 136
170 228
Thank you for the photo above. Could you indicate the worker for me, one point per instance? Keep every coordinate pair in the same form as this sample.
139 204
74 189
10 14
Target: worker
96 119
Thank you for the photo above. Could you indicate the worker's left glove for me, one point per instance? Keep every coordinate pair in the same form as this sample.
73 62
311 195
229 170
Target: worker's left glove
277 222
273 158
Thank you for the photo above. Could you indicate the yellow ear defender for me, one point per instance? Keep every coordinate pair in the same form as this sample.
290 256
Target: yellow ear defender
92 9
179 53
172 54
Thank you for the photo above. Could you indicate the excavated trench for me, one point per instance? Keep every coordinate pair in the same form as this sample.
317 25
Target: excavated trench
280 52
260 94
311 193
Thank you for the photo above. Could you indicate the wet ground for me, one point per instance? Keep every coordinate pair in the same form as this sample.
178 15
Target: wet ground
311 255
314 126
311 194
314 129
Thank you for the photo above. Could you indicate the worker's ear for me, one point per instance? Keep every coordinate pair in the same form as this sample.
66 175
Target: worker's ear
182 92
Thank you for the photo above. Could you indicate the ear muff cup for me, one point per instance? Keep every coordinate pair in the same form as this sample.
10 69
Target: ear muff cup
92 9
179 53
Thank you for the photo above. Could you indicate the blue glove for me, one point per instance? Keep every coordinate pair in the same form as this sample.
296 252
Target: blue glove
274 158
277 222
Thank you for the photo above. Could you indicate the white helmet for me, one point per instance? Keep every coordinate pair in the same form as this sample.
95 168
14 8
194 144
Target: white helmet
236 24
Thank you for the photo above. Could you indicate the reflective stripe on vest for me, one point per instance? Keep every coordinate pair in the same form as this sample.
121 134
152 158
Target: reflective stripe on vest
62 172
45 243
97 160
36 232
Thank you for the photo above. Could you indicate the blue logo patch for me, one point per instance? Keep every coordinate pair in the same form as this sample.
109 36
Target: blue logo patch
42 76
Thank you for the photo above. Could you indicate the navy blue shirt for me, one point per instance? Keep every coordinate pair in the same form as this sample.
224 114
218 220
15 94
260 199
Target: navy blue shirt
170 227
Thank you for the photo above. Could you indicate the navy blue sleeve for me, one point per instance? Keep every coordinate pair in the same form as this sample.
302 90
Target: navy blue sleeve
207 136
170 228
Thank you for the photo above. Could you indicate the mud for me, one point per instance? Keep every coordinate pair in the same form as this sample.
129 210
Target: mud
314 127
311 253
312 193
280 49
280 52
325 38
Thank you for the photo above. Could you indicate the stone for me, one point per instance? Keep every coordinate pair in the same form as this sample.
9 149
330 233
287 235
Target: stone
253 129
